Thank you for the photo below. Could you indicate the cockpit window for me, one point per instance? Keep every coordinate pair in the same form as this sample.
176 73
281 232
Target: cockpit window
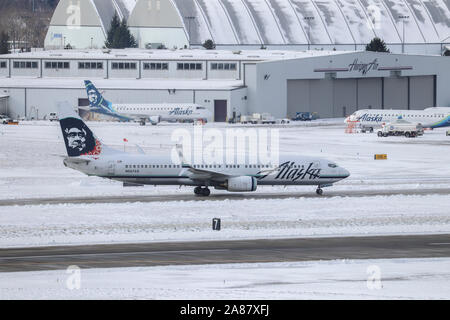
332 165
201 108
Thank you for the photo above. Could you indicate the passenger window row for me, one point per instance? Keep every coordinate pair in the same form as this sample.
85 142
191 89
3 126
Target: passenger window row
150 166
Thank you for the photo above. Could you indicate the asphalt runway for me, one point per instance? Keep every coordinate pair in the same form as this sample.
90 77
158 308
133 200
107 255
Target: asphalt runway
222 196
213 252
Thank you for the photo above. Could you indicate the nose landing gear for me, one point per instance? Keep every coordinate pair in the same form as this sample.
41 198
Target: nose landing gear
319 191
204 192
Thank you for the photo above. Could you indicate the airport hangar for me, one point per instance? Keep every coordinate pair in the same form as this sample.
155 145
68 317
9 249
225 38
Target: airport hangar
411 26
333 84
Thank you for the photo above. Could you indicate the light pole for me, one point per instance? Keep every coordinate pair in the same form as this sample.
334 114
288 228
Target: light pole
309 30
189 19
403 18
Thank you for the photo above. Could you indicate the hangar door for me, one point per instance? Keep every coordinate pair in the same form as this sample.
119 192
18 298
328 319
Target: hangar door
341 97
328 97
395 93
422 92
220 110
370 93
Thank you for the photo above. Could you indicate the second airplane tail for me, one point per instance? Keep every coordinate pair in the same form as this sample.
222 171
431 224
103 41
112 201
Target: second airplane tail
96 99
98 104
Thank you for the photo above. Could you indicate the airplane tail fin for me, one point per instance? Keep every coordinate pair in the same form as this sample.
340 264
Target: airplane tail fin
99 104
78 138
96 100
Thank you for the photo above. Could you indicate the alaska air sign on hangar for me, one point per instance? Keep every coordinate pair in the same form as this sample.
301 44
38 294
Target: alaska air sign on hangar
364 67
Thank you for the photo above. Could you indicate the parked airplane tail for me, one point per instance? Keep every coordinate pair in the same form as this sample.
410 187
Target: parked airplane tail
98 104
78 138
96 99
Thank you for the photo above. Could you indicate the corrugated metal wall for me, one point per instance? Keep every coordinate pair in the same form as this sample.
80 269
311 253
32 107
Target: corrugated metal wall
342 97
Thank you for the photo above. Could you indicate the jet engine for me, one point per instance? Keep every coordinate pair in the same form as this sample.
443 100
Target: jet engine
241 184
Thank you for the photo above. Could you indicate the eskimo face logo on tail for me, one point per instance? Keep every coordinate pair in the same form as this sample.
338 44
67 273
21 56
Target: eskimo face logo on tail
93 96
79 138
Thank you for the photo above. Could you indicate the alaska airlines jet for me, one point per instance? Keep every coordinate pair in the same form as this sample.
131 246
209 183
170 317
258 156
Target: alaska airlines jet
428 118
144 112
86 153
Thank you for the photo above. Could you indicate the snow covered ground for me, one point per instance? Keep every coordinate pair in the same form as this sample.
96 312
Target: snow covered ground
343 279
31 168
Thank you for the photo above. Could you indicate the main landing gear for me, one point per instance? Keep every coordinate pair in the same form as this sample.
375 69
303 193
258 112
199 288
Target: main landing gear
204 192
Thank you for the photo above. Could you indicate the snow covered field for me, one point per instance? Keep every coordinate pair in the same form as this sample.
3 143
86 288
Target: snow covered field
343 279
31 168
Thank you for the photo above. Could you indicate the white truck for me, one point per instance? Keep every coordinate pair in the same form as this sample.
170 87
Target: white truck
401 128
258 118
53 116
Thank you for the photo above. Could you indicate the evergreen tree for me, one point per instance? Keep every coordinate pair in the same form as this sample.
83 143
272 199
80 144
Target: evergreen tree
127 40
119 35
114 27
4 38
377 45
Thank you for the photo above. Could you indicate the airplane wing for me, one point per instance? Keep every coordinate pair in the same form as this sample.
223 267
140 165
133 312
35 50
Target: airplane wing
202 174
198 174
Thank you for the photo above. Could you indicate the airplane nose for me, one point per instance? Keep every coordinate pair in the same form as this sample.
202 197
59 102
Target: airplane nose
345 173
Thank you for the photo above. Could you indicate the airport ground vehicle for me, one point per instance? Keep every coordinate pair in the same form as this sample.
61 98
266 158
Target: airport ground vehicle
305 116
365 129
283 121
401 128
4 119
258 118
53 116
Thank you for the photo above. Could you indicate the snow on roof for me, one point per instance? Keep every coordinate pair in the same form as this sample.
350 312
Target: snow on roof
325 21
182 54
160 84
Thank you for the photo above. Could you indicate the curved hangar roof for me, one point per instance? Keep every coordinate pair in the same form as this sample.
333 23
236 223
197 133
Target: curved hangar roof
331 21
85 23
271 22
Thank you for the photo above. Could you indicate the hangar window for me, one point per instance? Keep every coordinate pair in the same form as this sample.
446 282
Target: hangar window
3 64
57 65
189 66
224 66
156 66
25 65
124 65
90 65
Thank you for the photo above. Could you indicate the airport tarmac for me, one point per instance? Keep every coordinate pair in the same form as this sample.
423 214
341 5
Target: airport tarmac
219 252
220 197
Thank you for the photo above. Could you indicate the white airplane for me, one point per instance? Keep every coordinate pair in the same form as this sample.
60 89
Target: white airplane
428 118
154 113
86 153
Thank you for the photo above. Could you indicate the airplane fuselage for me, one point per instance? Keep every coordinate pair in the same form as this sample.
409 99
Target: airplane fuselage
153 170
165 111
428 118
